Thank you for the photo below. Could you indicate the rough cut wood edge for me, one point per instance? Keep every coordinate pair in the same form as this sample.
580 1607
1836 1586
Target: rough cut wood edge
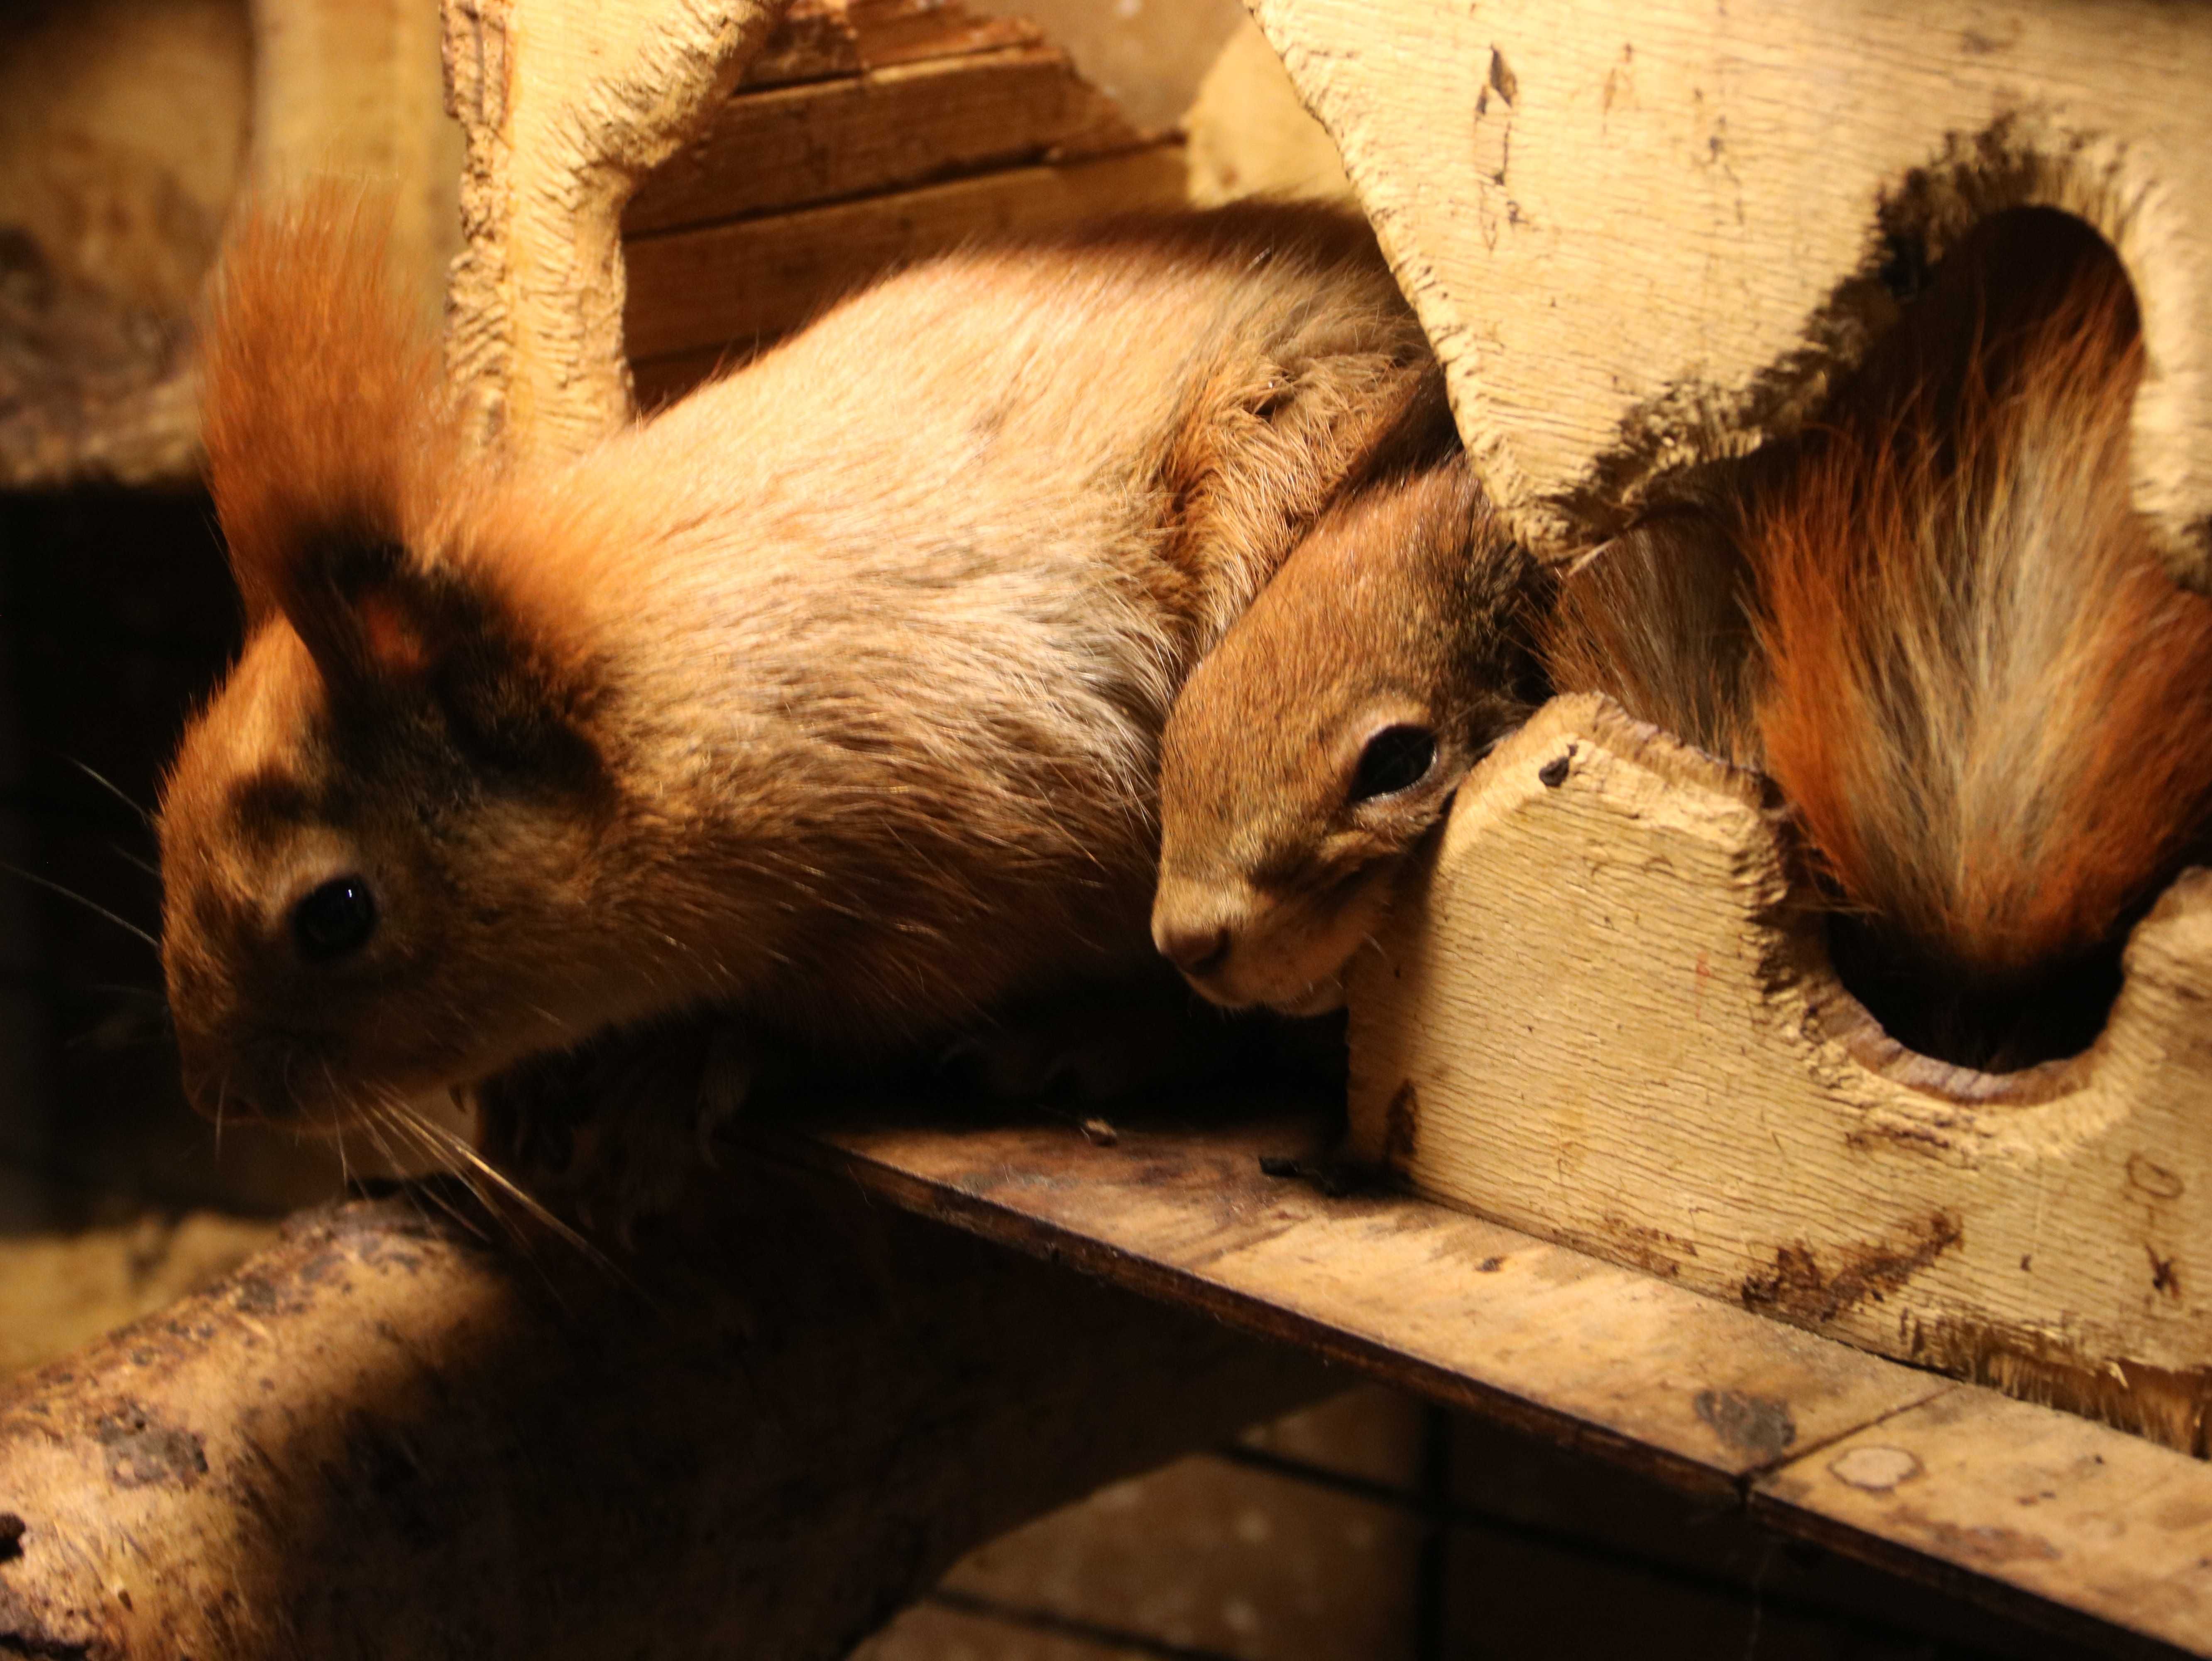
759 1437
1640 235
2041 1515
1599 1016
564 106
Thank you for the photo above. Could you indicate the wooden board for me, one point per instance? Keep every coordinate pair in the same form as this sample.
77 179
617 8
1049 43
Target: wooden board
1598 1017
816 39
755 278
2024 1508
2040 1504
1640 235
787 147
1464 1310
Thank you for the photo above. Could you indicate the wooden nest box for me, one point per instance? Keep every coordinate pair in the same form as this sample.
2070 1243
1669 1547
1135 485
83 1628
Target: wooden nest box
1640 239
1643 237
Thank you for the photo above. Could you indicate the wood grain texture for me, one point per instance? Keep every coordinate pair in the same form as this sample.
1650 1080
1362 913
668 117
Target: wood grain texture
910 124
753 279
2019 1502
565 105
1600 1016
2040 1514
775 1422
1463 1310
1641 235
816 39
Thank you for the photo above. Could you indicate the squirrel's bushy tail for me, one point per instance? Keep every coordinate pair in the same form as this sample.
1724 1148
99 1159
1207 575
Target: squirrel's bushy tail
1989 706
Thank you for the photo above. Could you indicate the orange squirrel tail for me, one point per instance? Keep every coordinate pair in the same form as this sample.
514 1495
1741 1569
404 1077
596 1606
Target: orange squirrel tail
323 410
1990 707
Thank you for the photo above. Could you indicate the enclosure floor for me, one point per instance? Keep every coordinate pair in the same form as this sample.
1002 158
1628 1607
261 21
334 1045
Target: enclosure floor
1376 1528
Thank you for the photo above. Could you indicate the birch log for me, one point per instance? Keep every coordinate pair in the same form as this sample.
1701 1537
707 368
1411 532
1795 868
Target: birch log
757 1435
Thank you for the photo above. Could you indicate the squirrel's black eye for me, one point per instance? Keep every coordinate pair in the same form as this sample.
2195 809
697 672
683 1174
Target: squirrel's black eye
1396 758
334 919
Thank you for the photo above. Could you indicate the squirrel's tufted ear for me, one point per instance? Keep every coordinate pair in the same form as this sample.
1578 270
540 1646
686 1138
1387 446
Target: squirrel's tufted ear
323 409
387 629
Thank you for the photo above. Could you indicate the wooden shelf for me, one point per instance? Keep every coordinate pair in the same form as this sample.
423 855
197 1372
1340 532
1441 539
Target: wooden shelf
2038 1513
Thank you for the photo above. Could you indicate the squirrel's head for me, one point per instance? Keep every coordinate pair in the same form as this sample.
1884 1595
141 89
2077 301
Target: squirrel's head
373 835
1324 737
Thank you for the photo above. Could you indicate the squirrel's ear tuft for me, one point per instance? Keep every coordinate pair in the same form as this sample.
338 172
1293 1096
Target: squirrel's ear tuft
323 401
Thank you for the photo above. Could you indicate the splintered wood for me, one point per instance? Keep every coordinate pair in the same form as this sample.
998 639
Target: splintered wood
866 134
1599 1016
1641 235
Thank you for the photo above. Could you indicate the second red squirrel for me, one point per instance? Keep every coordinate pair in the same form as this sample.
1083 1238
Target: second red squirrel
827 699
1935 620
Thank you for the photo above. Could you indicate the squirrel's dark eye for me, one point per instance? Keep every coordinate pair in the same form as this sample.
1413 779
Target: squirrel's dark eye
1396 758
334 919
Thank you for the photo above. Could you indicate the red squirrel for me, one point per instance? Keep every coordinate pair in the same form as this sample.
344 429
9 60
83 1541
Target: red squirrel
1935 619
827 699
1318 743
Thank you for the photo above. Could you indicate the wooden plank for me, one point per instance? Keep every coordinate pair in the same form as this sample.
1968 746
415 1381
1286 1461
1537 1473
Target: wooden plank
818 39
2043 1515
759 278
1599 1016
2018 1503
1463 1310
1655 227
796 146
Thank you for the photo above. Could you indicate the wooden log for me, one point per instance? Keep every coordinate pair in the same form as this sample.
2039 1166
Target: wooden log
750 281
1642 235
758 1435
1601 1016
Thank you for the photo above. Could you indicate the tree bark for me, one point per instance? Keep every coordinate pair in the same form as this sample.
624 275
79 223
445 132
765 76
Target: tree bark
760 1432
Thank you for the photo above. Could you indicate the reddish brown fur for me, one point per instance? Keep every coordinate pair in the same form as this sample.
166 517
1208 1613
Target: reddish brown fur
321 401
829 697
1990 707
1405 607
1658 619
